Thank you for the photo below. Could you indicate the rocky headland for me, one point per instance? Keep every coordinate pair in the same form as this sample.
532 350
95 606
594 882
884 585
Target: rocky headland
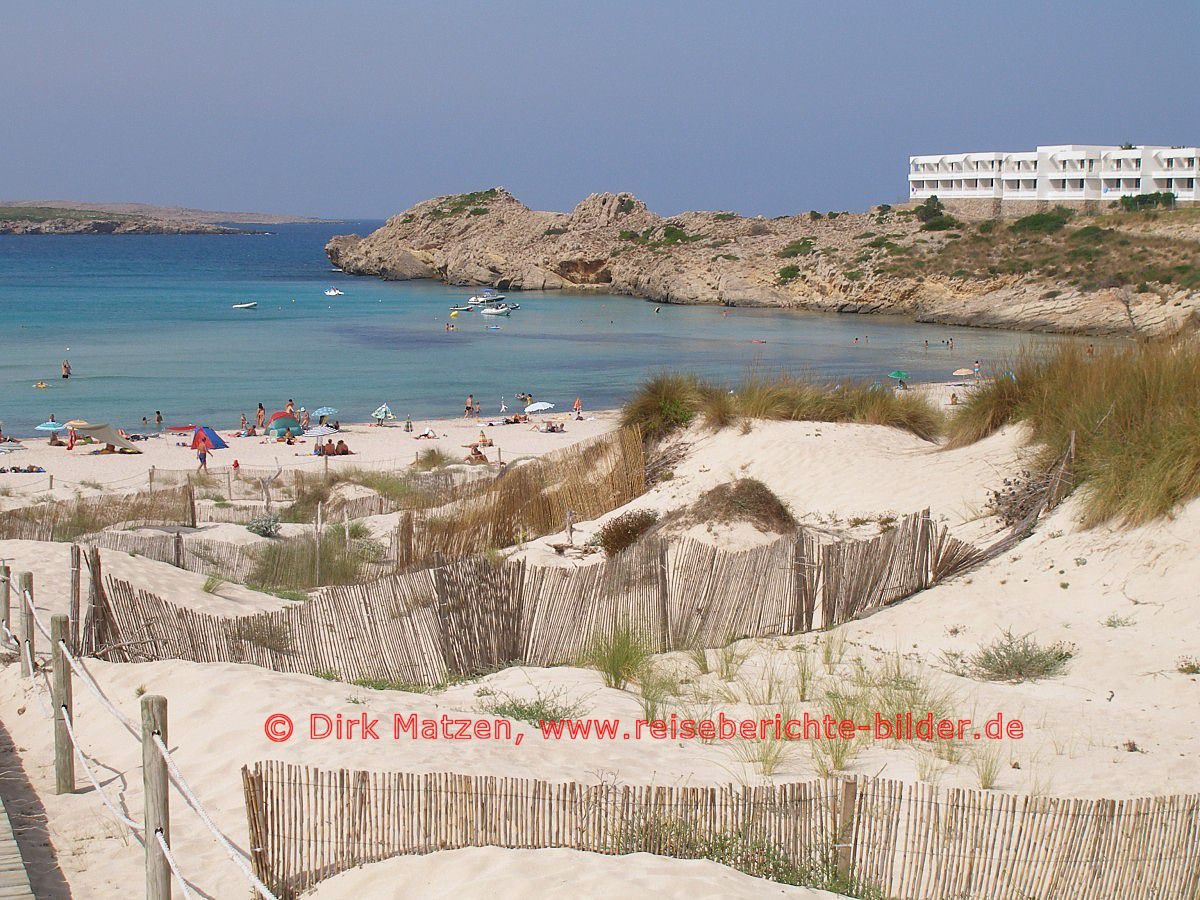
1116 273
112 226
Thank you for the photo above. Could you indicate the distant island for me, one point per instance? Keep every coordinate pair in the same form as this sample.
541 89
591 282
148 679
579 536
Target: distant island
1115 272
83 217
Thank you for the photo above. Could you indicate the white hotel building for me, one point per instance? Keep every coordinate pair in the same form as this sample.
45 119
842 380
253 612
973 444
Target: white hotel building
1070 174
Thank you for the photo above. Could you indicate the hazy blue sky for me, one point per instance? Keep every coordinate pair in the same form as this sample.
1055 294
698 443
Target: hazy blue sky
360 109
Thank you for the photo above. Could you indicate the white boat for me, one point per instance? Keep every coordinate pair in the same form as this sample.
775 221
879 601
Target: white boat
251 305
333 292
487 295
461 308
500 309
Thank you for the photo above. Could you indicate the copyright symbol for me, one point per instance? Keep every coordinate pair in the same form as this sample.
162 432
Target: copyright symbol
277 727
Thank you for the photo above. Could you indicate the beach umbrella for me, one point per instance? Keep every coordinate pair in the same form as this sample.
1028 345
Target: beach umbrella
181 429
964 371
321 431
899 374
207 437
384 413
324 411
538 407
50 426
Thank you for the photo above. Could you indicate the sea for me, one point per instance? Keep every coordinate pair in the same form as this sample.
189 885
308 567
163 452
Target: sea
147 323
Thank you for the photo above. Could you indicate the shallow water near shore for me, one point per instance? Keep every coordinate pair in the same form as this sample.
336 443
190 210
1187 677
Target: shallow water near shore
149 326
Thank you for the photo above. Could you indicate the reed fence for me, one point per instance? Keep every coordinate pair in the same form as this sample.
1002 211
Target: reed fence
911 841
472 616
66 521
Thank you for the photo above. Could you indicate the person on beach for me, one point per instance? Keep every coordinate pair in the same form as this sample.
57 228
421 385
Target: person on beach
469 406
66 368
290 409
202 455
477 410
260 416
408 424
158 419
342 450
305 418
577 408
328 449
245 424
976 368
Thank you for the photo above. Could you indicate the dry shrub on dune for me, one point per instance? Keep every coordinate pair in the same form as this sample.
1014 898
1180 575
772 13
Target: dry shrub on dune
1134 410
668 402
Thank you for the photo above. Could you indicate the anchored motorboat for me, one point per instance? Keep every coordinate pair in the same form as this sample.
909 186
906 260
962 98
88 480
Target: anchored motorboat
333 292
487 295
499 309
251 305
461 308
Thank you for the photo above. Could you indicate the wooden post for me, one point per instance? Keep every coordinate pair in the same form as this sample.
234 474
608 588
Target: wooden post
64 754
73 630
845 829
177 546
664 609
570 528
155 792
25 583
346 526
5 593
151 479
228 485
326 460
51 482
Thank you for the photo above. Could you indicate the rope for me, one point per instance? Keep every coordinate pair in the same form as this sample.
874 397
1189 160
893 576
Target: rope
84 758
9 636
183 885
239 858
86 676
28 600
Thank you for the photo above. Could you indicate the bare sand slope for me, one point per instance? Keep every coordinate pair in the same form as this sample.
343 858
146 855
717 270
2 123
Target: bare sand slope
489 873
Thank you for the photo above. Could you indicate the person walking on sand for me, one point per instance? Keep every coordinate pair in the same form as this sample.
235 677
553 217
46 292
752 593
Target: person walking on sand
66 368
577 408
202 455
260 417
469 406
976 368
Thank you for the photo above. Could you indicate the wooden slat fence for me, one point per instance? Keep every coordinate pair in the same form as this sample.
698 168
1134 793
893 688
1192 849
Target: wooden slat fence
473 615
912 841
67 520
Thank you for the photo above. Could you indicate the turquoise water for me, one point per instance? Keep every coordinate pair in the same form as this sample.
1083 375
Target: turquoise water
149 326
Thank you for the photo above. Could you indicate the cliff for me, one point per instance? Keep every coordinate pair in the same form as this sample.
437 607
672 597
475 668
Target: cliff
1112 274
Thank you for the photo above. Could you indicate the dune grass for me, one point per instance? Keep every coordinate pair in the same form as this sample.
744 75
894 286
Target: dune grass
619 656
1134 410
668 402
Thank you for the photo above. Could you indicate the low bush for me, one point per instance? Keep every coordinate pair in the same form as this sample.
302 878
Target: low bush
802 247
788 274
1012 658
743 500
1042 222
264 526
542 708
623 531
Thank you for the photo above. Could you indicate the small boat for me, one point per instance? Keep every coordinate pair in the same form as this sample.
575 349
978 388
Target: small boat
493 328
333 292
461 308
498 310
513 305
487 295
250 305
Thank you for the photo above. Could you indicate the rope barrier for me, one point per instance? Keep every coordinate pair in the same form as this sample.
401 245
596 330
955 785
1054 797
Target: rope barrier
85 759
170 857
238 857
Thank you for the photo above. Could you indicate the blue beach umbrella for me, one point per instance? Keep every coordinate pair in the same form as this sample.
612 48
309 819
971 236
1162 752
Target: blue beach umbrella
324 411
50 426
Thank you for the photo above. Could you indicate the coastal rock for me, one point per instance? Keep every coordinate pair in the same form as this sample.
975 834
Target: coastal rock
881 262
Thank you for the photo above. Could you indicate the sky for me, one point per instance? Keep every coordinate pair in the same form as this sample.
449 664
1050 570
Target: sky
360 109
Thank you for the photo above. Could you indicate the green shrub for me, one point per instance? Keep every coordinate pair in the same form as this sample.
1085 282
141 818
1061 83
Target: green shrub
725 217
1042 222
624 530
264 526
1011 658
941 223
554 231
788 274
542 708
1165 199
802 247
662 405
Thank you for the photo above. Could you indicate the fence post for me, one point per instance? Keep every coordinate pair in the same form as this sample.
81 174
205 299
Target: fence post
151 479
64 754
326 460
664 608
177 547
228 485
25 584
73 628
845 830
317 547
155 793
5 613
51 482
570 528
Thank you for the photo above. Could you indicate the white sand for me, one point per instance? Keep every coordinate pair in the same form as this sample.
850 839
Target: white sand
489 873
81 472
1120 686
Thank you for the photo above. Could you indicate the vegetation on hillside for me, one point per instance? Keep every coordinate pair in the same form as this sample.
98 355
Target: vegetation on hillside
1134 411
668 402
46 213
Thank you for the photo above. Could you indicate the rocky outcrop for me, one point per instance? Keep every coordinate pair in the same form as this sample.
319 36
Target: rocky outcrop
846 263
